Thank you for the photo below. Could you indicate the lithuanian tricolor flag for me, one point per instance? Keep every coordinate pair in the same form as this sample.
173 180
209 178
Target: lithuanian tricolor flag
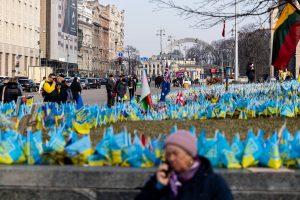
145 95
286 36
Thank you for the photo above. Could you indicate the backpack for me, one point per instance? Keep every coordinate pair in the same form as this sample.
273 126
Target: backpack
69 95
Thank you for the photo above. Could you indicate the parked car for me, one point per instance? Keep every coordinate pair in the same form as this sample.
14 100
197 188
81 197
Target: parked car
2 78
28 85
104 81
98 82
84 83
92 82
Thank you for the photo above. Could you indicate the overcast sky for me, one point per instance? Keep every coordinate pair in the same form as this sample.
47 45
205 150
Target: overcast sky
142 22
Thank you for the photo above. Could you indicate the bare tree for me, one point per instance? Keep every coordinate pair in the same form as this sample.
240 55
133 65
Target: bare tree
255 49
208 13
132 56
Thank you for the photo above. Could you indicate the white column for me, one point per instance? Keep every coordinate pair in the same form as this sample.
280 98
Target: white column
297 61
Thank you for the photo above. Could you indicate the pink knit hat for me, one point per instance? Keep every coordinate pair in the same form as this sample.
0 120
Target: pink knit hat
185 140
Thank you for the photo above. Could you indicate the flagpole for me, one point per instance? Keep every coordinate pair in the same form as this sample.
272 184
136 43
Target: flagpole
273 13
236 45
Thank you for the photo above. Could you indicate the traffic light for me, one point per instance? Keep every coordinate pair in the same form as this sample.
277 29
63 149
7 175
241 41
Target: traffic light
120 60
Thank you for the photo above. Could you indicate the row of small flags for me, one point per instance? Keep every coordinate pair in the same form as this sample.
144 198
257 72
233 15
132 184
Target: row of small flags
133 150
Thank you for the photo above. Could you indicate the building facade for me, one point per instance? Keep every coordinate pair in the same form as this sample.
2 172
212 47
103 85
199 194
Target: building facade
58 38
116 31
85 43
106 30
19 36
153 68
104 39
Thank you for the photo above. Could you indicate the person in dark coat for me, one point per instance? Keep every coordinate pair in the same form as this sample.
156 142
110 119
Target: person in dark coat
131 88
250 73
76 89
121 89
5 81
184 176
135 79
63 89
110 90
11 91
50 91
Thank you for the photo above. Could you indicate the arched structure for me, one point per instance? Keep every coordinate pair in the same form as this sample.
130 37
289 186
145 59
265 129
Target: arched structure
169 48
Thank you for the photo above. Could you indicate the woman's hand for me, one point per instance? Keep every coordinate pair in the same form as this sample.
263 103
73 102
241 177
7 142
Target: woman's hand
162 174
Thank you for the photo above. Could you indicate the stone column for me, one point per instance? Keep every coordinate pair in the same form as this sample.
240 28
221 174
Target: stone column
297 55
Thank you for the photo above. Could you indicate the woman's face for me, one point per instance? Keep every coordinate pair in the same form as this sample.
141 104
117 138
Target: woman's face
178 159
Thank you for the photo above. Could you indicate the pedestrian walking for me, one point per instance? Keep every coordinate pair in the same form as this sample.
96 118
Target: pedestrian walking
131 88
11 91
184 175
76 89
250 72
110 90
121 89
135 79
50 92
65 94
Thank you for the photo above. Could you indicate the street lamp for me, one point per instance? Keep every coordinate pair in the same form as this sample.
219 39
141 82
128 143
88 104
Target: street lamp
170 39
161 33
68 55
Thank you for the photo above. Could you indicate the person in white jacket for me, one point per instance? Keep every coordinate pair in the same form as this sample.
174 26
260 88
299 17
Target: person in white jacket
41 85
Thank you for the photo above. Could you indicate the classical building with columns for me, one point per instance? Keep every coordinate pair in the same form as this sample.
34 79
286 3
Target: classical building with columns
19 36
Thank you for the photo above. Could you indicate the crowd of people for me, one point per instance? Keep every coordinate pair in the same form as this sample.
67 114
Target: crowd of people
281 75
117 88
55 89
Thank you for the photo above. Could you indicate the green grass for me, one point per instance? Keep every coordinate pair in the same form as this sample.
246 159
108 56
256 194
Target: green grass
229 126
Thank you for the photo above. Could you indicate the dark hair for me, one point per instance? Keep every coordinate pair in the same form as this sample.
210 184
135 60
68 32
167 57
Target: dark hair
50 75
61 75
111 75
75 79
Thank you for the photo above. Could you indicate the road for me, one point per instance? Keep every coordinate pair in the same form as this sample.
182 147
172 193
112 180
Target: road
96 96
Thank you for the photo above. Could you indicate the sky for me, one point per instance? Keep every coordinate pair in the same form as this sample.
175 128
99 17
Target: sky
142 22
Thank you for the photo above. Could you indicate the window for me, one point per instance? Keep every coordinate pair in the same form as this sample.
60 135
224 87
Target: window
13 62
26 62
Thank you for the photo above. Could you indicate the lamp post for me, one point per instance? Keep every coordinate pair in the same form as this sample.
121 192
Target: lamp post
161 33
67 68
170 39
40 63
236 44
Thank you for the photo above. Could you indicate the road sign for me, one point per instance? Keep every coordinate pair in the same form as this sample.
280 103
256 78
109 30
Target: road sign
120 49
120 54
